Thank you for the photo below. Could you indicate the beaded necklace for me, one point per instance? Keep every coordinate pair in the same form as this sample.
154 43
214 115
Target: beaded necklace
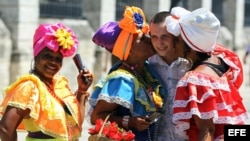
143 81
149 90
48 87
155 132
52 92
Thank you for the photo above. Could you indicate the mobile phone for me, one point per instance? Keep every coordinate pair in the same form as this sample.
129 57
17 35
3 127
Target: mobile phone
80 66
154 117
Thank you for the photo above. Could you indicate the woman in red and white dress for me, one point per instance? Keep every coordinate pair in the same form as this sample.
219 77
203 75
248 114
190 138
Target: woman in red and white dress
207 96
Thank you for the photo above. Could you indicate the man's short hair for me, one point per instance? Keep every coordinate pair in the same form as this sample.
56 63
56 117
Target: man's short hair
160 17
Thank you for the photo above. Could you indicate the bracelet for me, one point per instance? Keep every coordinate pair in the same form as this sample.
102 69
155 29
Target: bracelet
125 121
85 93
81 92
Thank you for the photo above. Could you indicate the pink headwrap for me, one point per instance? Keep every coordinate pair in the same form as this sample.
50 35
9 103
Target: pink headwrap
199 28
55 37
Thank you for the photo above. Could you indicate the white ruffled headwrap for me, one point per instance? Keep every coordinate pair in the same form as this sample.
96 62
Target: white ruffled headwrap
199 28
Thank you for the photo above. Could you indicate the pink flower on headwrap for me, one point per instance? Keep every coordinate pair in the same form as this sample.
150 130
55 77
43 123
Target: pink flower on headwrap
55 37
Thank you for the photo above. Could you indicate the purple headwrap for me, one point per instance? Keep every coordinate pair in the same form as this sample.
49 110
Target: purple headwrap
106 35
117 37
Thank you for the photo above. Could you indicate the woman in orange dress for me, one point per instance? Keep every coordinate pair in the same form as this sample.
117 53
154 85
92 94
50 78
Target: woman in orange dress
207 96
42 102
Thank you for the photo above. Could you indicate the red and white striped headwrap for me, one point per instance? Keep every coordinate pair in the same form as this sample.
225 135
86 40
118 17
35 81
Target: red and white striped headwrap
199 28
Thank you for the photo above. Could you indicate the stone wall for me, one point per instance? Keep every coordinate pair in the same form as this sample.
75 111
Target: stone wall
5 54
19 18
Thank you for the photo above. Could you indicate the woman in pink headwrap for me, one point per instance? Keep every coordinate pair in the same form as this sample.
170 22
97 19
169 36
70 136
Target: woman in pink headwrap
207 96
42 102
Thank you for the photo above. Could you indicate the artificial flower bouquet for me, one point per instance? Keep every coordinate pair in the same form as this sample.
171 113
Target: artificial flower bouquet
109 131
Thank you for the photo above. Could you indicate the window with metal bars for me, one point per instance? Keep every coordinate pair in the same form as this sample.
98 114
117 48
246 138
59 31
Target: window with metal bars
71 9
217 9
121 4
247 13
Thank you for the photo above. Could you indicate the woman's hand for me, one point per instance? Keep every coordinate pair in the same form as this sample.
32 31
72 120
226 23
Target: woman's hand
138 123
82 86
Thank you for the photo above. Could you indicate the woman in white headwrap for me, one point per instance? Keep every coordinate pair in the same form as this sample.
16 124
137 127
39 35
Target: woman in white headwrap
207 96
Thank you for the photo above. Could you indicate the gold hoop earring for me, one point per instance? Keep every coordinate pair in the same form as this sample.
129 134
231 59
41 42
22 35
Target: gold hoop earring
32 66
190 62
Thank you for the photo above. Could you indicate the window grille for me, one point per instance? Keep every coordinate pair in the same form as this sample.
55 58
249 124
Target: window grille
217 9
121 4
247 13
72 9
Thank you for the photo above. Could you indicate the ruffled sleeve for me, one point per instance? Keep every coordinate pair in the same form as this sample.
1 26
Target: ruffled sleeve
22 94
46 112
122 88
118 87
235 74
208 98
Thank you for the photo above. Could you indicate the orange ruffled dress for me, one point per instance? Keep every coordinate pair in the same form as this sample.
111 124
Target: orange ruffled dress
46 113
208 97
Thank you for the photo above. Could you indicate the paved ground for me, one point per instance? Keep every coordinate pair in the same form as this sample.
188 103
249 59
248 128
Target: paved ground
244 90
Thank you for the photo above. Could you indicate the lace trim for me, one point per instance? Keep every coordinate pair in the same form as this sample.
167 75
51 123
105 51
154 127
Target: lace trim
208 115
45 104
116 100
183 103
200 80
139 95
182 126
220 106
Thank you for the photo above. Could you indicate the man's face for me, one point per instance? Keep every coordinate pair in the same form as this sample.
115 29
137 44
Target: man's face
162 41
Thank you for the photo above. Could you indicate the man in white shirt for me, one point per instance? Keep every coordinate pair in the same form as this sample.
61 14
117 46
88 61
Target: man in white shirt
170 67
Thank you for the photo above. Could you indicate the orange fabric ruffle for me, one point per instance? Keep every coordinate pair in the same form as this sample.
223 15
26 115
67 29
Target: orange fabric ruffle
133 22
129 22
46 113
123 45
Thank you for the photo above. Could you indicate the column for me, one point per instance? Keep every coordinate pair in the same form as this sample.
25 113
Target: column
233 13
21 17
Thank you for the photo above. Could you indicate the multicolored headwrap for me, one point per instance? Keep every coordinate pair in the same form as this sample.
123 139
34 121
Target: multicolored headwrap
117 37
55 37
199 28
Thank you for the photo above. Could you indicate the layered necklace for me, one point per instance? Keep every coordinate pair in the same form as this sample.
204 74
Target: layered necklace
52 92
145 81
141 79
151 94
48 87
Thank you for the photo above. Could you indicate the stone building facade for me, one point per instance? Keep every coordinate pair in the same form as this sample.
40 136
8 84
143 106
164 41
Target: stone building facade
19 18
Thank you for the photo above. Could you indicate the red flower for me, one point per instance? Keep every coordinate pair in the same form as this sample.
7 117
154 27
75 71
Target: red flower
129 136
97 128
112 131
